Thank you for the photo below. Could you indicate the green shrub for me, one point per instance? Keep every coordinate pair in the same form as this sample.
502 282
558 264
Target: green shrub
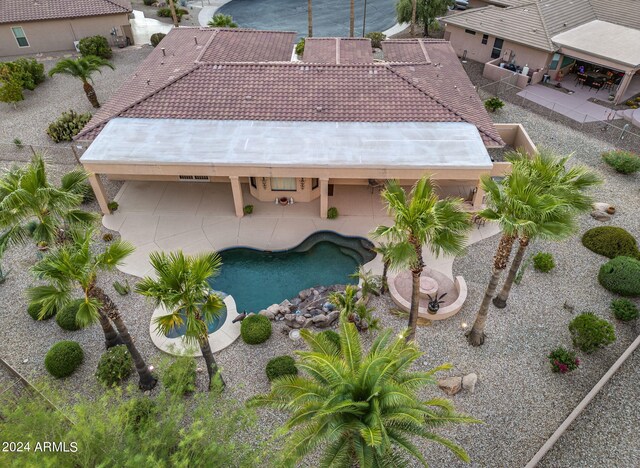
624 309
281 366
11 91
18 143
621 275
331 336
624 162
493 104
156 38
543 261
149 2
27 72
137 412
122 289
68 125
166 13
114 366
589 332
180 376
95 45
63 358
562 360
611 242
66 318
376 39
255 329
248 209
112 205
300 47
332 213
34 310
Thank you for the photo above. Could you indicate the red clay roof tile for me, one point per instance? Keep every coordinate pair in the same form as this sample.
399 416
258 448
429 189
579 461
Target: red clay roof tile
16 11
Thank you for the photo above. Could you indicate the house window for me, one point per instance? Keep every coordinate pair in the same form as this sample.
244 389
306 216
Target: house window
470 31
283 184
314 183
252 181
554 62
21 39
497 48
485 38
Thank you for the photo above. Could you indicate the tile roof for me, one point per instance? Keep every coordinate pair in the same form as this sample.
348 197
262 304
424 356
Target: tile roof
337 50
180 87
622 12
406 50
16 11
246 45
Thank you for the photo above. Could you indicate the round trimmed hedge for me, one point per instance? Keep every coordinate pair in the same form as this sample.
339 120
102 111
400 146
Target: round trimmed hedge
34 310
543 261
590 332
331 336
611 242
281 366
624 309
66 318
621 275
255 329
63 358
114 366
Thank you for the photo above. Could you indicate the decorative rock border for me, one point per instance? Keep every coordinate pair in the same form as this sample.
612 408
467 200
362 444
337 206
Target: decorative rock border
218 340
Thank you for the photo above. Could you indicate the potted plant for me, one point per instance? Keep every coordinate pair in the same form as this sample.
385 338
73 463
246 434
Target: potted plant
434 303
283 201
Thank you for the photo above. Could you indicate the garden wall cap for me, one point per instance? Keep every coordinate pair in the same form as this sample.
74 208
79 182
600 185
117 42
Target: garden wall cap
17 11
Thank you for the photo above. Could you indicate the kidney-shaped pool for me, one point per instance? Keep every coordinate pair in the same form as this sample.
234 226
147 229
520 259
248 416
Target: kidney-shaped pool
258 278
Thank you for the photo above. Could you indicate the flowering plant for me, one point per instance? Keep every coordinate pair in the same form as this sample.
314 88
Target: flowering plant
563 360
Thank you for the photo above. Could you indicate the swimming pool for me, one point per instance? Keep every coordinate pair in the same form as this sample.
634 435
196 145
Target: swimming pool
212 326
258 278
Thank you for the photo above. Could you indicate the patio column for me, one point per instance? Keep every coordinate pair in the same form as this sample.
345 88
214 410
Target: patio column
624 84
478 197
324 197
236 189
98 189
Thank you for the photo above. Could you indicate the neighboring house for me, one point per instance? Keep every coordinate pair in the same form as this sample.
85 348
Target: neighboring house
548 36
229 106
42 26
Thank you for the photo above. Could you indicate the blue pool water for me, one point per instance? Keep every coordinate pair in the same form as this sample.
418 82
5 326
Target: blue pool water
213 326
257 278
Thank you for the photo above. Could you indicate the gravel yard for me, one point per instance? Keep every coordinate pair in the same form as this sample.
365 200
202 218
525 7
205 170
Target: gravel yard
520 401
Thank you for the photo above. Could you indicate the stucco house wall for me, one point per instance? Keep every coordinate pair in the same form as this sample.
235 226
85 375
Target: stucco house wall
479 52
58 35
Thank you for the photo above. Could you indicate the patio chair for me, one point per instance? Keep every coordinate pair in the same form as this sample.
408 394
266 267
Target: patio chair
581 79
597 85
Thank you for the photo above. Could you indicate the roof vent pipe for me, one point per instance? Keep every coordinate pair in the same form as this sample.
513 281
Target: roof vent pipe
195 39
163 52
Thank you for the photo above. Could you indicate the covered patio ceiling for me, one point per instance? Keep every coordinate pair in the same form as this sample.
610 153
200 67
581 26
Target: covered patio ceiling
237 143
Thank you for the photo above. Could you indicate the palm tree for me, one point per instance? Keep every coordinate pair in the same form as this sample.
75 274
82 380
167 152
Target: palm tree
182 288
359 409
421 218
76 264
385 250
82 68
26 195
352 19
222 21
569 185
518 206
310 17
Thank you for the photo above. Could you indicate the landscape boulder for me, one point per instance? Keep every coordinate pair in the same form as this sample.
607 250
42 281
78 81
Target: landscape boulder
450 385
469 382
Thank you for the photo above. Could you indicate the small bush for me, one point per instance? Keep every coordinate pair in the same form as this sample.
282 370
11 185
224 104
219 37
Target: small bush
180 376
493 104
122 289
331 336
68 125
112 205
376 39
621 275
624 309
34 310
332 213
281 366
624 162
543 261
562 360
255 329
95 45
248 209
300 47
137 412
149 2
27 72
611 242
589 332
66 318
114 366
166 13
63 358
18 143
156 38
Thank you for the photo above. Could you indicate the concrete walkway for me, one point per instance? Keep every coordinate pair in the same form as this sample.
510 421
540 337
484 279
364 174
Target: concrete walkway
143 28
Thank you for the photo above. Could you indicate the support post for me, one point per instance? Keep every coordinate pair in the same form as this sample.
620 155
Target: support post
236 189
478 197
622 87
324 197
98 190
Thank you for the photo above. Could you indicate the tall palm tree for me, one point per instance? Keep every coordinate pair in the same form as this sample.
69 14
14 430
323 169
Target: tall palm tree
222 21
518 206
414 12
74 265
352 19
82 68
359 409
569 185
421 218
310 18
182 288
27 195
385 251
